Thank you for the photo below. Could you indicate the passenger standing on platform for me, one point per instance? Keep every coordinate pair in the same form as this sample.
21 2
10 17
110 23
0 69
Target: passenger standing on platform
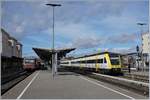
129 67
130 62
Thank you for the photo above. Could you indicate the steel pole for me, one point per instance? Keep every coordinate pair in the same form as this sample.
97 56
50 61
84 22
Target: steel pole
53 54
53 27
142 63
142 49
149 62
54 66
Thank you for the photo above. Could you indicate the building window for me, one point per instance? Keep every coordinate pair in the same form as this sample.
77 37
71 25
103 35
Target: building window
18 47
11 42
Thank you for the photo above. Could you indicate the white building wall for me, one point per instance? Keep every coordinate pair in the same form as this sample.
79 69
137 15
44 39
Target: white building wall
9 46
146 48
6 46
146 42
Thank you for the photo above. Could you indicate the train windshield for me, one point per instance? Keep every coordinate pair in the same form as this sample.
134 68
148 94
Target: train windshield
29 61
114 58
114 61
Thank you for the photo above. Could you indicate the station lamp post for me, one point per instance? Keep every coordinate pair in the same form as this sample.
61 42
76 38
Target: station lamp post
54 55
141 24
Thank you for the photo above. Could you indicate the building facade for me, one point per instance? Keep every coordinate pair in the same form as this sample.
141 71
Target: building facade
11 56
146 42
139 60
135 62
146 48
10 46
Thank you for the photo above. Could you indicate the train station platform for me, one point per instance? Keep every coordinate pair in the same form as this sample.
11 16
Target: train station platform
66 85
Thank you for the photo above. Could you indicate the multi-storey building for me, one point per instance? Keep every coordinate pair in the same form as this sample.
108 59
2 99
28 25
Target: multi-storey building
10 46
146 48
11 55
146 42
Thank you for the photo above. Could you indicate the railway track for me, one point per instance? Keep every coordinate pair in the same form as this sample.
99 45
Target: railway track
11 81
136 77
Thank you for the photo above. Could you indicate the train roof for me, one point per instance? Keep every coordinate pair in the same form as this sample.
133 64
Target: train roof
100 53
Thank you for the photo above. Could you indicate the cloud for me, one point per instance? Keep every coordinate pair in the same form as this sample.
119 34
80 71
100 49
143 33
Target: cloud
19 29
123 50
82 36
74 30
81 24
120 23
79 35
86 42
24 18
38 16
123 38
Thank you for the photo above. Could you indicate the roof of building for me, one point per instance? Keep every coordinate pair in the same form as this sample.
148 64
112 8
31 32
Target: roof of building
3 31
46 54
10 37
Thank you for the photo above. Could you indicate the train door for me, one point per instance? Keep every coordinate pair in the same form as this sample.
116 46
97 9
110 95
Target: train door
97 65
104 63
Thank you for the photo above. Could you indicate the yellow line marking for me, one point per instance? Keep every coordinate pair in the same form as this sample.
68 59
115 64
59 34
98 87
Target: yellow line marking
108 61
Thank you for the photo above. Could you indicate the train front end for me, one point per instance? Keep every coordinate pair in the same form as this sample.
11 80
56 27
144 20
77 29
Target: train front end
115 63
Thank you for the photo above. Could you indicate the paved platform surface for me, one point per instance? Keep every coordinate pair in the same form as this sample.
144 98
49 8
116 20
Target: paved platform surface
66 85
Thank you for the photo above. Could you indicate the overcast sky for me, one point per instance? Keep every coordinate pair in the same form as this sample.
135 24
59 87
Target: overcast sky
86 25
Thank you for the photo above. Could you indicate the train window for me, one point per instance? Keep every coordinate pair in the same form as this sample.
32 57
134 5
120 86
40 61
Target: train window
114 61
113 55
73 62
88 61
29 60
94 61
91 61
114 58
105 60
65 63
82 61
100 61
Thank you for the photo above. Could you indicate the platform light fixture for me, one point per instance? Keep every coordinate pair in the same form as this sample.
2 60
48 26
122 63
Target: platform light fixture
141 24
54 70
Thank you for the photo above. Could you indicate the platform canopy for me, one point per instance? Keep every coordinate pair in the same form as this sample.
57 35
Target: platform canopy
46 54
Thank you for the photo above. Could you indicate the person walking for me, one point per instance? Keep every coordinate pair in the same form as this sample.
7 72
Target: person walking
130 61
